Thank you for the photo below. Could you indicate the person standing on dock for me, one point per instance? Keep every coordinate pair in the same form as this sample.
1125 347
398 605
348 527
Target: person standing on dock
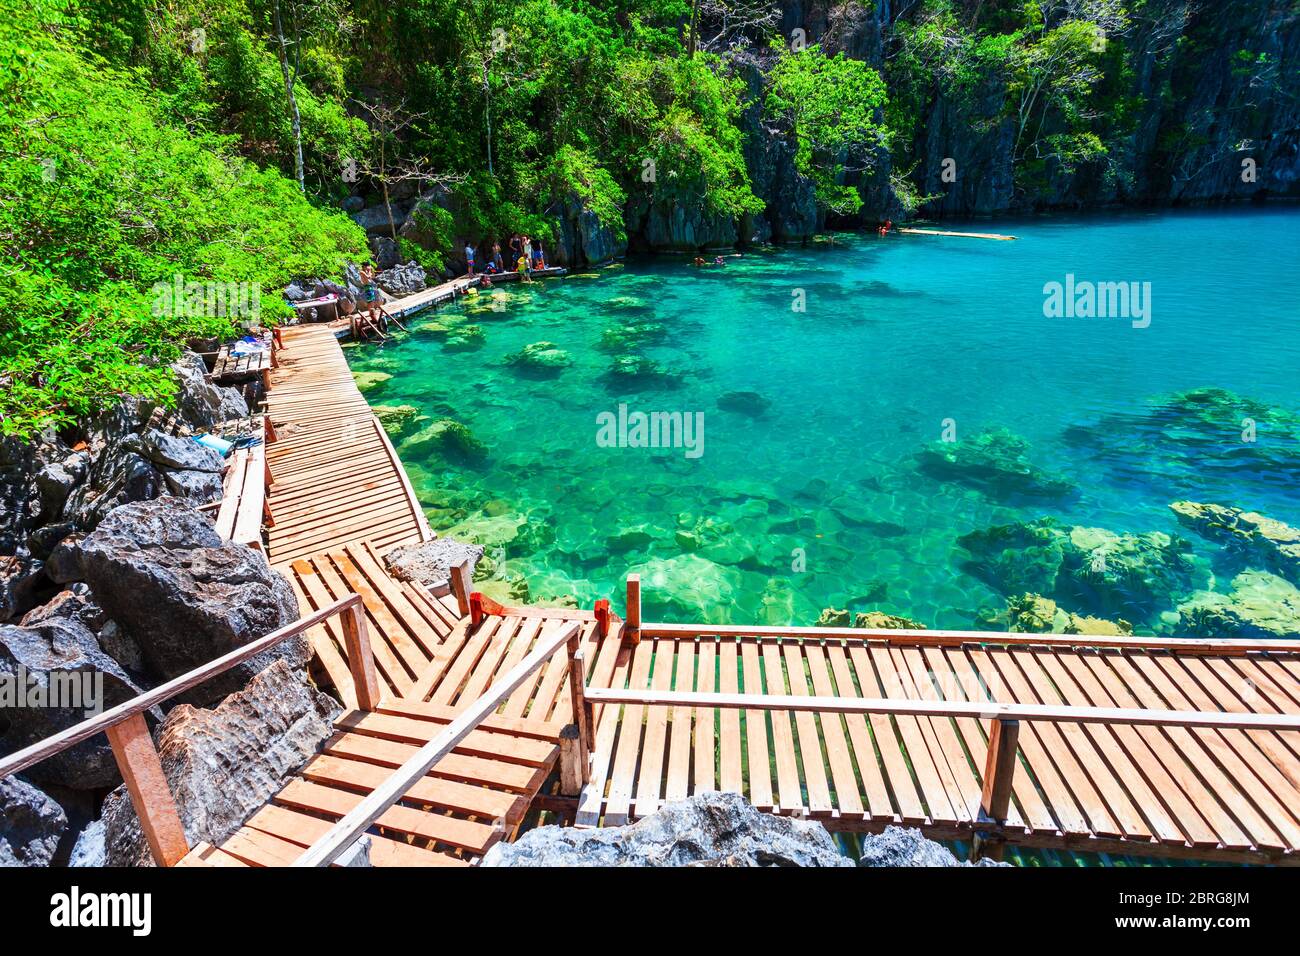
469 258
539 258
496 256
528 253
370 293
516 250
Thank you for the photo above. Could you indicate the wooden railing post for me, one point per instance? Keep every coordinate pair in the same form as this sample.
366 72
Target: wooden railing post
361 658
575 738
461 578
142 770
632 624
601 610
477 613
995 800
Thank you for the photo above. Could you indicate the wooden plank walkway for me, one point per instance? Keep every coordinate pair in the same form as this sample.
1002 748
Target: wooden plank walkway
341 499
335 476
447 291
471 799
1231 795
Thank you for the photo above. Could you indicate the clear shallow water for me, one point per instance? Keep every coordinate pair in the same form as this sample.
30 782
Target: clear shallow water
898 335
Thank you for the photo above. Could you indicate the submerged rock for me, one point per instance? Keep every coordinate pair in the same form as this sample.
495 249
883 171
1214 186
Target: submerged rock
430 562
1261 606
224 764
366 381
446 436
395 418
1099 571
31 824
693 587
872 620
161 571
1035 614
996 461
1247 536
744 403
622 339
465 338
709 829
540 356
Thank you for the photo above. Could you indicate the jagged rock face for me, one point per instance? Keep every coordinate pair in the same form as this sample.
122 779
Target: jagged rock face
70 604
402 280
677 223
223 764
160 570
63 658
31 824
582 239
202 403
902 847
709 829
430 563
1247 536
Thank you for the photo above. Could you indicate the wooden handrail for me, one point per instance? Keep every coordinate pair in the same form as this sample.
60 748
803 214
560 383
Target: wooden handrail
133 747
940 638
22 759
949 708
360 818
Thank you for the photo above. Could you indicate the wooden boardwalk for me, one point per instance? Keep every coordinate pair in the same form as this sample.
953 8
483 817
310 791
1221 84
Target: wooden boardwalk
1128 745
1117 787
335 476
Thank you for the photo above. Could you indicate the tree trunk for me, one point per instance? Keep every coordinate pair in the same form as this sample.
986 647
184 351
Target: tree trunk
289 81
487 116
691 40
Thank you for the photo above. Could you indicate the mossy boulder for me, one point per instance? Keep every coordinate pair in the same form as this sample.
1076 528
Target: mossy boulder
744 403
446 436
1247 537
623 339
1260 606
540 356
465 338
367 381
872 620
995 461
1099 571
395 418
1035 614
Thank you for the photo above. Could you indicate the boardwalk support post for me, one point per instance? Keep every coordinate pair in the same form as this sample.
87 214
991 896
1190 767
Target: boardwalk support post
142 770
361 659
632 624
601 610
477 615
461 581
995 800
576 737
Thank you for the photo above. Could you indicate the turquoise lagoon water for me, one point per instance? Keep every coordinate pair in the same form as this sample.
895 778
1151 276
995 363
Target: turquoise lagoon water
819 501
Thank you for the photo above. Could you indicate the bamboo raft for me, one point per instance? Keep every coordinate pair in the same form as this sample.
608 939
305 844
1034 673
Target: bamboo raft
963 235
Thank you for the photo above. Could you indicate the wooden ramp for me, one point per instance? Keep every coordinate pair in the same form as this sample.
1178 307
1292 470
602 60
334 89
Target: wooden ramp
335 476
1117 787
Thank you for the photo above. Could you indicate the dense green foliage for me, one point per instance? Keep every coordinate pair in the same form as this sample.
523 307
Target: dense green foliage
104 197
143 140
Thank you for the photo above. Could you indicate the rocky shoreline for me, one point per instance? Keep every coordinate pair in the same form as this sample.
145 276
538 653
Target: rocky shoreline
112 575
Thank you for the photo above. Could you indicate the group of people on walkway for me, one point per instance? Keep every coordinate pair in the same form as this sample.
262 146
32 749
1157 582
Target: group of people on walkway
525 255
